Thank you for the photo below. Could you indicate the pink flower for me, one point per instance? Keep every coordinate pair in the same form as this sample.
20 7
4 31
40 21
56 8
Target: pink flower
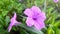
13 22
55 1
35 17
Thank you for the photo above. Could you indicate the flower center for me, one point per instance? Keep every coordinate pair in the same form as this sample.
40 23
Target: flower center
34 18
36 15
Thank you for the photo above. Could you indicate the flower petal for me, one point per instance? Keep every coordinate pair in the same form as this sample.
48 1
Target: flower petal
36 25
29 21
17 23
41 16
41 23
35 9
9 28
14 16
56 1
28 12
12 22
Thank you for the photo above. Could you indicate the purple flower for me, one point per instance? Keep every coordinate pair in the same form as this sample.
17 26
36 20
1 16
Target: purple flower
55 1
13 22
35 17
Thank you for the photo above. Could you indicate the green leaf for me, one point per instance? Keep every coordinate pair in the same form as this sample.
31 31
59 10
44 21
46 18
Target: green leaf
7 20
50 31
4 13
57 23
2 31
57 31
31 29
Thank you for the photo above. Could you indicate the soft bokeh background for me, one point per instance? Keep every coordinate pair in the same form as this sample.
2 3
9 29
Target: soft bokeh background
8 7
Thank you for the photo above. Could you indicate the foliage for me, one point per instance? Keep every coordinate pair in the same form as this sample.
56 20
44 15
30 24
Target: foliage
8 7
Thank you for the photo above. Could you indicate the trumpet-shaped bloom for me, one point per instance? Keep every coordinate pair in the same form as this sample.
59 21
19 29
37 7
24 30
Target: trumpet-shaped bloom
55 1
13 22
35 17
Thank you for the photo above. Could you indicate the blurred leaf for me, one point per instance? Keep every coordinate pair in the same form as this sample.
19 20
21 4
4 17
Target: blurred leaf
7 20
57 31
49 11
2 31
50 31
31 29
39 2
57 23
4 13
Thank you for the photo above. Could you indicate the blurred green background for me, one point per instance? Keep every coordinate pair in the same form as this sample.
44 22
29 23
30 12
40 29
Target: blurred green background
8 7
